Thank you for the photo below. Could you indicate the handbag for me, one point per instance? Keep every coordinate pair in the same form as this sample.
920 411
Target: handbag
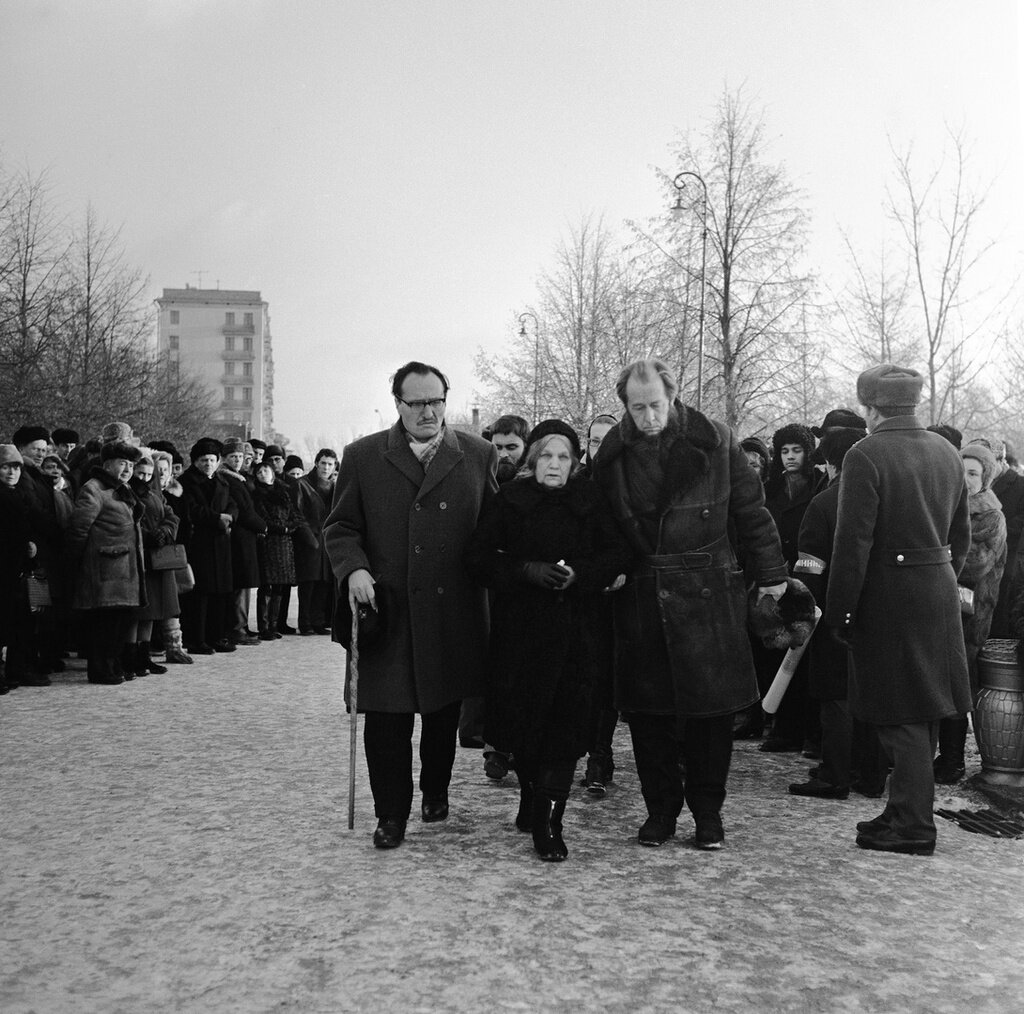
172 557
38 589
184 578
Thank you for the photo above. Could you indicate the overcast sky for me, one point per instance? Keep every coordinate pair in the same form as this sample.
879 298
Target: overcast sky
393 176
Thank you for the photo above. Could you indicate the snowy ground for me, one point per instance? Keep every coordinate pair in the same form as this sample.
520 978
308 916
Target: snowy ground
180 844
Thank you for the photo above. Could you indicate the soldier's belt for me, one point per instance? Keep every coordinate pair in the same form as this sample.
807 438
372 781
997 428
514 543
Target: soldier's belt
930 557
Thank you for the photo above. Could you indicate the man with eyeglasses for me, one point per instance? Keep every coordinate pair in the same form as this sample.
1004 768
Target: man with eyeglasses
406 503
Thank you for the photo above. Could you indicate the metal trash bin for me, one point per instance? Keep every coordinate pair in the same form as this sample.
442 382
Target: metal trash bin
999 713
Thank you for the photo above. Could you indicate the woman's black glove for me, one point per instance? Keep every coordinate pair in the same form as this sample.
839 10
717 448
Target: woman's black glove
545 575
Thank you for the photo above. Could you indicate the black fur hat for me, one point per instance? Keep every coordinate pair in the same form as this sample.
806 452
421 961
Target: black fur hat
791 433
836 442
786 623
29 435
840 417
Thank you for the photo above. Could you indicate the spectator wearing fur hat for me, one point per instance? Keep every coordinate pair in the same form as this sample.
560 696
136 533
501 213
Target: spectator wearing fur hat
64 442
211 512
842 417
245 533
758 456
274 504
312 568
828 658
105 541
902 536
979 584
259 448
293 467
792 483
17 554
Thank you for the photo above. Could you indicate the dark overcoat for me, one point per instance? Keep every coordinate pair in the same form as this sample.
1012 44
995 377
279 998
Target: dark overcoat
902 535
788 514
681 644
827 669
159 525
203 501
245 532
15 535
48 520
273 502
544 647
1009 488
105 541
311 563
410 531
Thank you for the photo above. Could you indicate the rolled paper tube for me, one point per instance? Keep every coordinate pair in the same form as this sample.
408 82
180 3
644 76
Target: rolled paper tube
777 690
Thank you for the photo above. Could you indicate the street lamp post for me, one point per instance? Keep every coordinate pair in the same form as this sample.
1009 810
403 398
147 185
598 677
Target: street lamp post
680 184
536 354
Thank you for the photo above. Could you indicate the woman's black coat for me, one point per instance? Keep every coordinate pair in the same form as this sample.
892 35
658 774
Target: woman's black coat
274 504
543 644
208 544
245 532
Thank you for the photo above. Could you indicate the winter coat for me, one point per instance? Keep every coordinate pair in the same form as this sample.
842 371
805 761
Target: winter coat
544 647
902 535
245 532
681 619
105 541
1009 488
788 512
208 544
159 526
983 570
15 535
311 563
827 670
410 531
47 520
274 505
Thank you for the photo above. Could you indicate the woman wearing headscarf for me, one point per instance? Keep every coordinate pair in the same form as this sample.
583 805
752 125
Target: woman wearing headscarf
979 592
543 542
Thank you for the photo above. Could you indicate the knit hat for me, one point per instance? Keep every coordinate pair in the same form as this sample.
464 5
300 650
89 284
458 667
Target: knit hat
836 442
888 386
233 446
293 461
116 431
205 445
29 435
989 467
840 417
553 427
65 436
10 454
119 449
273 451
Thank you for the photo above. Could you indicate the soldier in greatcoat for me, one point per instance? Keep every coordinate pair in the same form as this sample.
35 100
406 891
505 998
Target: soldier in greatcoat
407 501
902 535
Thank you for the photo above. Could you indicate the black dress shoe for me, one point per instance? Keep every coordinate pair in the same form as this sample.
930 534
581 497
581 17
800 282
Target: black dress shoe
390 833
321 630
874 826
818 789
305 632
434 808
710 834
891 841
224 646
656 830
199 649
285 629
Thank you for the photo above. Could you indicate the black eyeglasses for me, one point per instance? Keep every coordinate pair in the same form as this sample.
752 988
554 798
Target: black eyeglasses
419 405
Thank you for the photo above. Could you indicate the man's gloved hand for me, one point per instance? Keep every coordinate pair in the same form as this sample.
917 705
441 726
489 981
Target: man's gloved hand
545 575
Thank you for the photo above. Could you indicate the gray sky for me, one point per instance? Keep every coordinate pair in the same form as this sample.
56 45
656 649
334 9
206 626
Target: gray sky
394 175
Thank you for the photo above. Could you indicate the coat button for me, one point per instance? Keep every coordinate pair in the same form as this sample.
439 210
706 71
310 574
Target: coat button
705 593
663 595
417 549
705 513
440 591
899 557
418 506
443 505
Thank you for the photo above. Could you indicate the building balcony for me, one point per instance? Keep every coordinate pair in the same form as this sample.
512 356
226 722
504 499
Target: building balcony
236 380
242 329
236 404
238 355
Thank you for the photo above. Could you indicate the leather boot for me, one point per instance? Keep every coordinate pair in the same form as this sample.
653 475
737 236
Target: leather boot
949 765
147 660
524 818
547 828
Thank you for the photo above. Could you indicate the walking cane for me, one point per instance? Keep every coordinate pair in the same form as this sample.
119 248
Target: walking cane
773 698
353 719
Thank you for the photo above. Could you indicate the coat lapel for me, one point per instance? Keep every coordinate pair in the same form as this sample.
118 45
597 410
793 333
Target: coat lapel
449 454
399 455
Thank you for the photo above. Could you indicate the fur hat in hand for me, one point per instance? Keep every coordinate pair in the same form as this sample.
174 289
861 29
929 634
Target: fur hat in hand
786 623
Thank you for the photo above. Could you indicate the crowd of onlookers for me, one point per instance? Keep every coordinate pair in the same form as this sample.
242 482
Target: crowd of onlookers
136 557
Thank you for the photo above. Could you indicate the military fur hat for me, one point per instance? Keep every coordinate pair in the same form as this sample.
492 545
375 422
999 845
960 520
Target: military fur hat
29 435
888 386
787 623
205 445
120 449
65 436
233 447
116 431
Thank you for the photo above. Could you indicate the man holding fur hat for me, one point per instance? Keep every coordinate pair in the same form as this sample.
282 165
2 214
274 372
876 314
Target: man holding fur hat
902 535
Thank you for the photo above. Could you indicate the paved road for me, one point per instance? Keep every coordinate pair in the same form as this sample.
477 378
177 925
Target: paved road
179 844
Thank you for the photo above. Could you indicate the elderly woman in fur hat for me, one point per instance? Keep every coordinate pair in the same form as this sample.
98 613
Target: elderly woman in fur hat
979 592
544 540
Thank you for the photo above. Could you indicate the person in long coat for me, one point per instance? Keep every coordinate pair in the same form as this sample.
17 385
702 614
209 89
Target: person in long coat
979 582
543 542
407 502
245 533
17 552
273 502
315 493
675 480
210 512
105 542
902 536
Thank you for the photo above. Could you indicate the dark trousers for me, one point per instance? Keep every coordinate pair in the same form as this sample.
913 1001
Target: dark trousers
108 633
204 616
836 743
471 719
387 740
316 604
706 745
910 749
